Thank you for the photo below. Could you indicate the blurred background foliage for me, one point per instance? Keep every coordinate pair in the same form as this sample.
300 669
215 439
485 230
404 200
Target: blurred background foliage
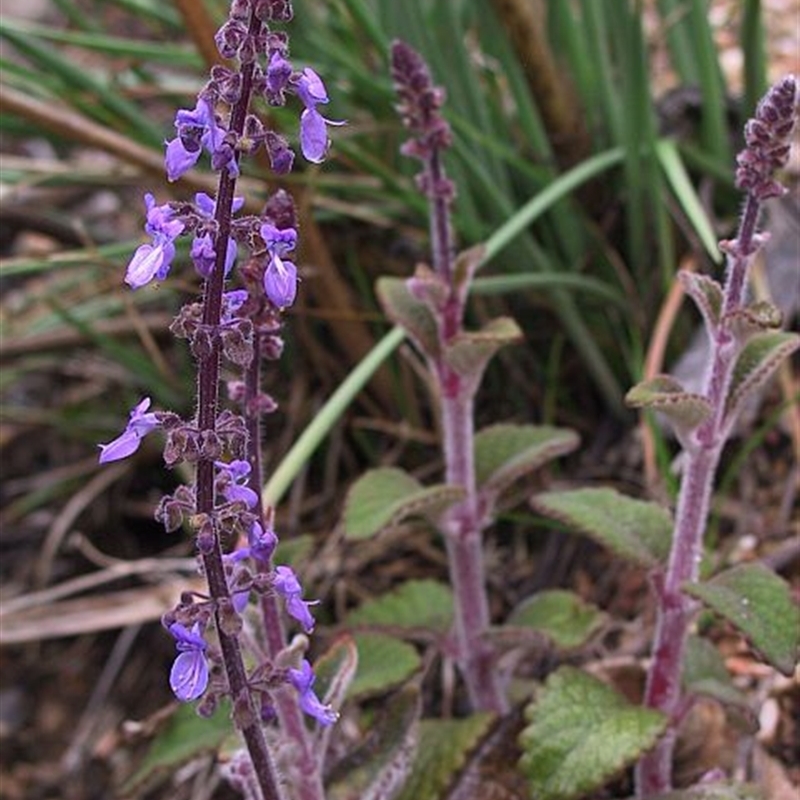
629 96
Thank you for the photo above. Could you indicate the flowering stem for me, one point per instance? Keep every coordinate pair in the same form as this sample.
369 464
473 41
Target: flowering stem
767 149
462 529
675 614
219 506
462 526
464 544
207 410
306 777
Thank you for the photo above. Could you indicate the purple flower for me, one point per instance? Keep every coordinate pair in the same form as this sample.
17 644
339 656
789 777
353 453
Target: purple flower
303 680
239 599
261 546
280 155
203 252
153 260
280 276
139 424
233 476
231 302
198 129
280 282
207 205
313 132
262 542
188 677
279 70
287 585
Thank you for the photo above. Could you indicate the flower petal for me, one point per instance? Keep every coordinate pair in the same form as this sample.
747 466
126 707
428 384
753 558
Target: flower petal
146 262
280 282
188 677
124 445
178 159
313 136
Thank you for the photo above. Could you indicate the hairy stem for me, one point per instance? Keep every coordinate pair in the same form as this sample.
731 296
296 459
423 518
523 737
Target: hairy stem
675 614
676 609
464 541
462 528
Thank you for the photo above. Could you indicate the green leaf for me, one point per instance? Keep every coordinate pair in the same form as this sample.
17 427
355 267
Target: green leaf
386 496
759 358
467 264
715 791
427 287
670 159
183 738
562 615
295 550
637 530
755 318
704 673
666 394
470 352
378 768
505 453
383 663
706 293
581 734
416 604
158 52
411 314
759 603
443 751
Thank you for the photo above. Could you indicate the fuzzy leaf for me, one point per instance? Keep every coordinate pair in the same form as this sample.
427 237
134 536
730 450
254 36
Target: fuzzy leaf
504 453
754 318
637 530
469 353
383 663
759 358
715 791
759 603
563 616
411 314
427 287
415 604
467 264
666 394
704 673
184 737
386 496
581 734
444 747
706 293
336 669
378 768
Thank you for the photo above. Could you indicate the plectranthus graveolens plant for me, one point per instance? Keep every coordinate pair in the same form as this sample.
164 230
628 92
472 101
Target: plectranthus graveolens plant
746 347
268 680
479 467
